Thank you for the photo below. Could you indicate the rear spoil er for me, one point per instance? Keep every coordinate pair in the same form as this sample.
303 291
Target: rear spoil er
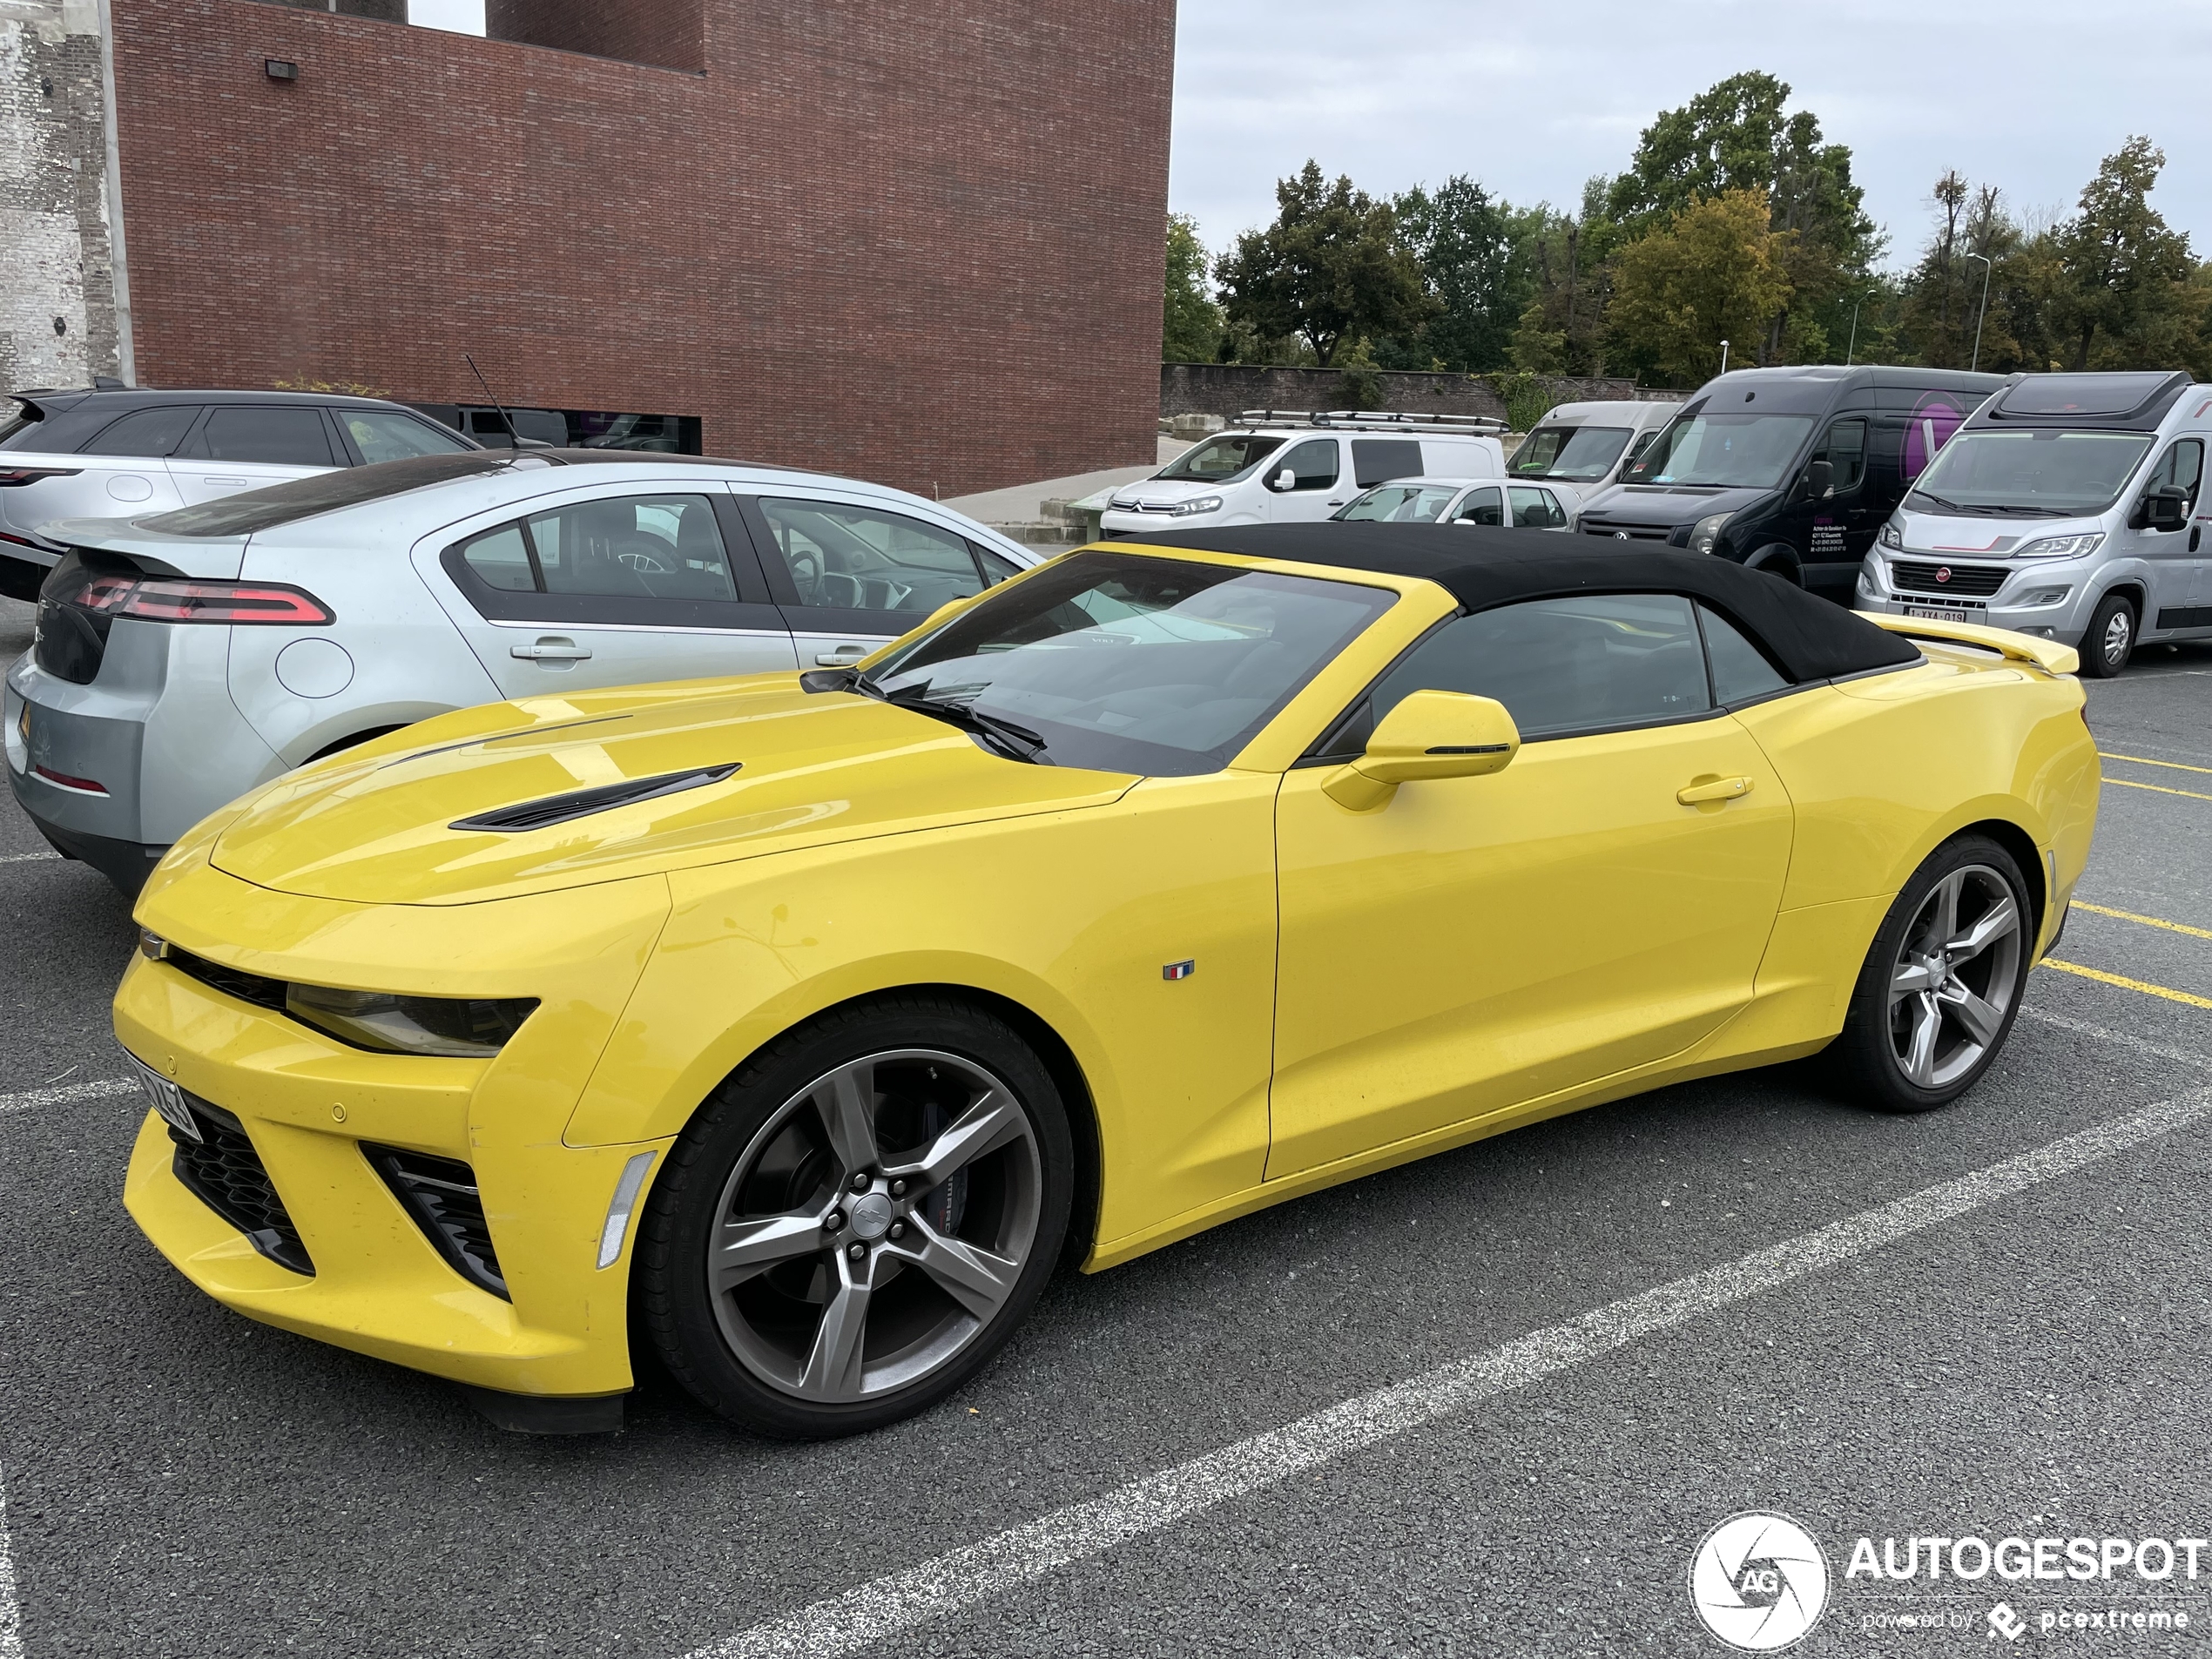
2045 654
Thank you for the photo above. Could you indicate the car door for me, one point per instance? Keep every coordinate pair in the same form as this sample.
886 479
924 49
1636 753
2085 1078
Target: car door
1321 483
1845 521
1485 505
1478 943
2175 567
1535 508
247 446
611 587
849 575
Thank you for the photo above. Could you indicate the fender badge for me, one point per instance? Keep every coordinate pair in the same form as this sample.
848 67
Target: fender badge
1180 970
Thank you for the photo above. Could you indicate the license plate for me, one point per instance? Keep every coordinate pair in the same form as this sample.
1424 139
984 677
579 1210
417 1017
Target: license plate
165 1097
1947 613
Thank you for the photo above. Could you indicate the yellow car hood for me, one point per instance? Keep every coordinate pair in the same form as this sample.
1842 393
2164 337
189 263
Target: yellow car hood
375 825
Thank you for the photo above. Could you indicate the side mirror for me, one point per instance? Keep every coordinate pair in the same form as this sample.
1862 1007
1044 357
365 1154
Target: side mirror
1429 735
1282 480
2166 508
1820 479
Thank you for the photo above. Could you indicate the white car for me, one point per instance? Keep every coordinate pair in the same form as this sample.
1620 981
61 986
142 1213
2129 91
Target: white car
184 657
1285 467
1464 501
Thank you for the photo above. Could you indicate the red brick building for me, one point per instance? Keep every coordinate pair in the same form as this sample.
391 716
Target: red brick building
917 240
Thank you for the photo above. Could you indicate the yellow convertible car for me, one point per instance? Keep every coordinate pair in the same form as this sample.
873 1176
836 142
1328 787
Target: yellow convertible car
798 1025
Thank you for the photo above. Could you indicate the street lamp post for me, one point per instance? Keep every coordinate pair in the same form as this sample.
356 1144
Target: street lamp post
1986 267
1724 357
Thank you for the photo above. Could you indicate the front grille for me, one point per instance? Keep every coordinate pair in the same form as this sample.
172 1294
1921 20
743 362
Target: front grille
232 982
1975 581
439 1196
223 1172
1633 532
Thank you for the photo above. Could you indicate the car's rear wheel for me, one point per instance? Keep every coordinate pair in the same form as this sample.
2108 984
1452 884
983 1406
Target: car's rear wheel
1942 984
858 1219
2110 637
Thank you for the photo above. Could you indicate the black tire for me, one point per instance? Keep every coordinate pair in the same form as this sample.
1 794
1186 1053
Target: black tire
767 1151
2110 638
1877 1050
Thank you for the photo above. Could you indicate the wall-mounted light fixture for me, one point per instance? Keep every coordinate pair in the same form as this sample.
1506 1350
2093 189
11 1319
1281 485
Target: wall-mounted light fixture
279 69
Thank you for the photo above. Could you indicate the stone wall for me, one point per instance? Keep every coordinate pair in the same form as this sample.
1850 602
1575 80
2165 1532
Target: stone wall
59 318
1226 389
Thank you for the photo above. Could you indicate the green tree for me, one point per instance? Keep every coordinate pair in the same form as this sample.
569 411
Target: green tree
2129 304
1333 267
1464 240
1563 266
1715 271
1190 327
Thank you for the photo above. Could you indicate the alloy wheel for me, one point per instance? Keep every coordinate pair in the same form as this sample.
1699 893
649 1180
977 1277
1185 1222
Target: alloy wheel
2118 632
874 1225
1956 974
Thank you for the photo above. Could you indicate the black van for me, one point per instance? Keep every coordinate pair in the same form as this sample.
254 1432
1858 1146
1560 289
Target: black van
1792 470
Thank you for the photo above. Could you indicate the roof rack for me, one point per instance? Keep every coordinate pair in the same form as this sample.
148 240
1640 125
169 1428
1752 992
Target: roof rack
1370 420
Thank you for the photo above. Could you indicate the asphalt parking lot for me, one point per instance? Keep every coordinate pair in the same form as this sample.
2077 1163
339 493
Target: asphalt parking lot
1479 1466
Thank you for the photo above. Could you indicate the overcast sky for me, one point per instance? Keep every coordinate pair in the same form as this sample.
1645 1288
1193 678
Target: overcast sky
1533 97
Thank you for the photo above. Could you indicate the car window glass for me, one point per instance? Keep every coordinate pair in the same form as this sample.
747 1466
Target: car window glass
1376 461
381 436
996 566
500 557
2182 467
1314 462
1845 449
145 432
1564 665
1740 672
289 434
1480 507
863 558
634 547
1535 510
1219 460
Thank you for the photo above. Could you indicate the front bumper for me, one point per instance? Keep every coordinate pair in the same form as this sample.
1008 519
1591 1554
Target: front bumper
2063 619
308 1104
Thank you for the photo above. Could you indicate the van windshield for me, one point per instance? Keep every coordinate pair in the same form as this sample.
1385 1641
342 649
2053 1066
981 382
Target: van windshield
1574 454
2047 473
1746 451
1219 460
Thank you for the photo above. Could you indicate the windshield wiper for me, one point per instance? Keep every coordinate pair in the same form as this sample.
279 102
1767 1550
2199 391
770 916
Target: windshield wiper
1015 742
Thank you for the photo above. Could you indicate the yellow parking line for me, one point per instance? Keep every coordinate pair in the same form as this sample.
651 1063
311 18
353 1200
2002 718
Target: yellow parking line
2160 788
2148 922
2125 984
2142 760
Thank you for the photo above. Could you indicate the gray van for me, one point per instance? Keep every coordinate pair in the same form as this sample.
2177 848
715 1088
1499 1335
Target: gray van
2069 508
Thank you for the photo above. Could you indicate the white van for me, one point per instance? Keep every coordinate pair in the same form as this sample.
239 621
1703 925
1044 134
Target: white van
2068 506
1291 466
1584 447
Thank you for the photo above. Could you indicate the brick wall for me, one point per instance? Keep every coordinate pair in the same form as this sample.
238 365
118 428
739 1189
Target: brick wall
918 241
669 32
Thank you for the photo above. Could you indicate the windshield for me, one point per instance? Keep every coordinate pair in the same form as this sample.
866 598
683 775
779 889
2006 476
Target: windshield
1120 663
1219 460
326 492
1747 451
1575 455
2042 473
1399 504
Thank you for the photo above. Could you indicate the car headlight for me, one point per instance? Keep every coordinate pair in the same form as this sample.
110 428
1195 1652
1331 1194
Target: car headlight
460 1027
1199 504
1706 533
2061 547
1890 536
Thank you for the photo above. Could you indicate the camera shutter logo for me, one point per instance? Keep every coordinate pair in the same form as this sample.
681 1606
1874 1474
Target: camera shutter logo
1758 1581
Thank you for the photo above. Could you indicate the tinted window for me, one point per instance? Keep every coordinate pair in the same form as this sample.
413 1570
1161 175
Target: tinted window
1535 510
1845 449
1740 672
298 498
637 547
1483 506
145 432
2182 467
1376 461
1565 666
1314 462
381 436
279 434
863 558
502 559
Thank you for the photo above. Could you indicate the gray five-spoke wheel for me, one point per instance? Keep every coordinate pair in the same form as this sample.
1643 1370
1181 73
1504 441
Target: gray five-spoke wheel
874 1224
1956 974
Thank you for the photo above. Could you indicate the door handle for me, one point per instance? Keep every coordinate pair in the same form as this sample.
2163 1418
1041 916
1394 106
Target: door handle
225 481
1717 789
551 650
843 656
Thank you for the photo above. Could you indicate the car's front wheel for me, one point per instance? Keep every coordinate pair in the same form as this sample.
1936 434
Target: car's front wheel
857 1219
1942 984
2110 637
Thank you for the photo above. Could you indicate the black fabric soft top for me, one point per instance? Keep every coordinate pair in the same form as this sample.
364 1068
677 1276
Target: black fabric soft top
1809 638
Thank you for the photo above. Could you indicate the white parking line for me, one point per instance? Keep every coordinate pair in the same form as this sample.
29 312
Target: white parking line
875 1611
11 1612
64 1094
2082 1027
29 858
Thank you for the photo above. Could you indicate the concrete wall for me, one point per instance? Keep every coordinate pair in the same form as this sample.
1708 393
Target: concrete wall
1228 388
59 324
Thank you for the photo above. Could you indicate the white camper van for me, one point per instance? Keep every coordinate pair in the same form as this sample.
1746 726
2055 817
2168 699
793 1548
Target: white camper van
1584 447
1292 466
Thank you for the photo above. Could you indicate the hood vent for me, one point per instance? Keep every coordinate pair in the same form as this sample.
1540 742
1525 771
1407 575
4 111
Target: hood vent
582 803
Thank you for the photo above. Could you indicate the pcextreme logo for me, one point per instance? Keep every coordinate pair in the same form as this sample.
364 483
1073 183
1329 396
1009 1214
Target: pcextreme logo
1758 1581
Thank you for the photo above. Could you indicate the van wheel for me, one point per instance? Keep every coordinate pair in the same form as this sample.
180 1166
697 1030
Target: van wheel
2110 637
857 1220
